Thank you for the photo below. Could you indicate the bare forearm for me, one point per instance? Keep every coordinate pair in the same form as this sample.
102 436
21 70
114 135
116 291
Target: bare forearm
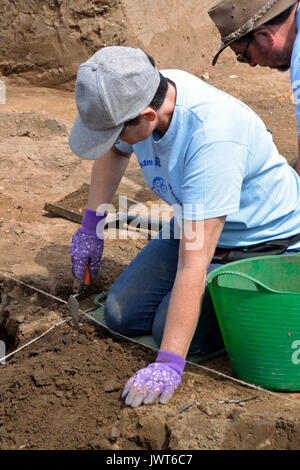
183 313
106 176
189 285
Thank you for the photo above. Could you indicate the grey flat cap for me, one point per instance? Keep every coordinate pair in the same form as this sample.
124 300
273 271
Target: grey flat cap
114 86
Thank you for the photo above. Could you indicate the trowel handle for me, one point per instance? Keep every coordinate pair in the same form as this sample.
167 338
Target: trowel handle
87 276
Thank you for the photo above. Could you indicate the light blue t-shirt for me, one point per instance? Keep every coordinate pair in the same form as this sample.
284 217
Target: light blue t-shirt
218 159
295 70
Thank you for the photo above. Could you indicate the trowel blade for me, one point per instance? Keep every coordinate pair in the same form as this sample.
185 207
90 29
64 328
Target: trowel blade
73 306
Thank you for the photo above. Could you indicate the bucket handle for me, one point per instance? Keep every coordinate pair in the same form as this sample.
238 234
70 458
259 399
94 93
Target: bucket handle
245 276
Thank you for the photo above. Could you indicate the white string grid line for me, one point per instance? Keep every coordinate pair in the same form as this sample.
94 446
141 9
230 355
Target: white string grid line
207 369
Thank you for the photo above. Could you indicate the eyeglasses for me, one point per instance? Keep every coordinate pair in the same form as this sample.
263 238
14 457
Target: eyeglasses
243 58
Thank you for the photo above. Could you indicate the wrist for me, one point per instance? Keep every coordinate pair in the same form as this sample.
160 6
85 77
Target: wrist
172 360
90 221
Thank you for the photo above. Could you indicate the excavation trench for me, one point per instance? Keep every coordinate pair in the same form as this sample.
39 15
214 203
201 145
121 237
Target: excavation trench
63 391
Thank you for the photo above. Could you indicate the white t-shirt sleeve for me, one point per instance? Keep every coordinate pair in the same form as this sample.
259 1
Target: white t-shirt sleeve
212 181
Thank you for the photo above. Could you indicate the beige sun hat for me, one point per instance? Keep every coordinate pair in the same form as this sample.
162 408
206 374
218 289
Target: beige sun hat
236 18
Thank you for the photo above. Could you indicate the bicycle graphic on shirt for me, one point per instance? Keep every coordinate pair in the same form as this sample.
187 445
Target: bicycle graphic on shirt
159 186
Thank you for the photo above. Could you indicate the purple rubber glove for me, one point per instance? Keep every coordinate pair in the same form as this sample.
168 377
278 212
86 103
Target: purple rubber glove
160 378
87 245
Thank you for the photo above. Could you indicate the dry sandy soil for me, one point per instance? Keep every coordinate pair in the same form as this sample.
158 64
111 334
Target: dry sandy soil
63 391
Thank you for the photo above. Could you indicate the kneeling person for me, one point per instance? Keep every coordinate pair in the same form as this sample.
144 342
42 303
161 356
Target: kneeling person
207 153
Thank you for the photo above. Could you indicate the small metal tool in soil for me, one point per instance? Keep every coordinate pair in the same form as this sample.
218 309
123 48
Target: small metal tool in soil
73 304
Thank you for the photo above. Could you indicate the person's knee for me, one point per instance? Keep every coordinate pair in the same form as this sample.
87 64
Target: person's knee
114 313
121 314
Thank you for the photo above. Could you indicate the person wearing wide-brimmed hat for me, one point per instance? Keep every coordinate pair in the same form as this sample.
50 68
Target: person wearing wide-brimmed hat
208 156
265 33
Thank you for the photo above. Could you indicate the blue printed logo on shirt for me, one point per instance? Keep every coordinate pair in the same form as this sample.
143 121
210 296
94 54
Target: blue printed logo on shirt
157 162
159 186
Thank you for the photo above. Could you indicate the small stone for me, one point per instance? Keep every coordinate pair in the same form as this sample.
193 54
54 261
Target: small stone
205 76
40 379
33 299
115 432
16 293
206 409
111 385
19 230
20 317
117 347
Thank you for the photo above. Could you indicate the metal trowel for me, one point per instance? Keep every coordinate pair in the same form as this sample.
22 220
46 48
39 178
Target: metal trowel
73 304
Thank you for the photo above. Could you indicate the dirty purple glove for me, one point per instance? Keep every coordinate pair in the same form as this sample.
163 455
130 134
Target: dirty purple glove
87 244
160 378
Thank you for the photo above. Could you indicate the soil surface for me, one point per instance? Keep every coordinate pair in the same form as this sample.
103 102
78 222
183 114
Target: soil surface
63 391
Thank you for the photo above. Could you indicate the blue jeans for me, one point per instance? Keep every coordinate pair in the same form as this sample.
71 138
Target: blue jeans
138 301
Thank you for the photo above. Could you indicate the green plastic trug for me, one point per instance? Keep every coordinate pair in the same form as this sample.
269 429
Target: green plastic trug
257 303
